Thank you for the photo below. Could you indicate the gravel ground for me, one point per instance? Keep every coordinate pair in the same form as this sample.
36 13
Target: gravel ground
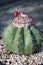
9 58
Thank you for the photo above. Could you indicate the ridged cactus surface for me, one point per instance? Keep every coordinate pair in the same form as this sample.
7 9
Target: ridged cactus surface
24 40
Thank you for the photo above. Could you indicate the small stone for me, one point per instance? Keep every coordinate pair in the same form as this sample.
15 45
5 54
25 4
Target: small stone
10 62
33 64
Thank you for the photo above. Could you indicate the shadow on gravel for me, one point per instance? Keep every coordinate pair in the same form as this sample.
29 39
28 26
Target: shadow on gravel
2 63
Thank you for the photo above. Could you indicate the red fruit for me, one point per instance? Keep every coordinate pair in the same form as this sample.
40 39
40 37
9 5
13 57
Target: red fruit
15 13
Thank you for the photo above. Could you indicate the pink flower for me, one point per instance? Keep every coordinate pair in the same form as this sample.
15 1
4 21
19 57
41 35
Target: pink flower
21 12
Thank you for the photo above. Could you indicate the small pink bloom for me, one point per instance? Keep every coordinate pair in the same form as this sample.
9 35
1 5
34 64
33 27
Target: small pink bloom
21 12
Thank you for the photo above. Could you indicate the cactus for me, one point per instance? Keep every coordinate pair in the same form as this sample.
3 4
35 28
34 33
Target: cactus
22 40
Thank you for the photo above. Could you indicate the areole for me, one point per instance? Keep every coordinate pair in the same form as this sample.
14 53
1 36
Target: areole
23 20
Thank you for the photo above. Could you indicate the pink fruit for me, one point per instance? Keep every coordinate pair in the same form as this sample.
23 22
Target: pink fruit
15 13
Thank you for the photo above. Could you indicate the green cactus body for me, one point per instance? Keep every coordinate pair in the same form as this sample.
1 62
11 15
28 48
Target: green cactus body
22 40
19 40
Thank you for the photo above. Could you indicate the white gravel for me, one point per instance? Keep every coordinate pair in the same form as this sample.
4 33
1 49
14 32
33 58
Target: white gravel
9 58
